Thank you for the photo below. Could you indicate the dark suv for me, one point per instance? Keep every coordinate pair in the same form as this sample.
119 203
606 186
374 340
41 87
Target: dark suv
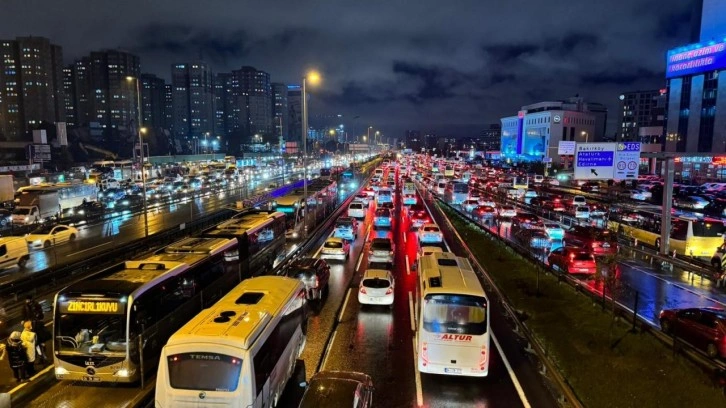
314 273
598 240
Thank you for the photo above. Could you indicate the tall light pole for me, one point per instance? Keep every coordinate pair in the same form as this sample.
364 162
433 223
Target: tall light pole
369 133
314 78
141 130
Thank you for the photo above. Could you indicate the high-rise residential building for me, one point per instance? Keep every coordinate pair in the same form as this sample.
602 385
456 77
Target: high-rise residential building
253 92
168 108
696 87
641 116
104 89
280 110
76 85
31 86
294 105
226 109
193 100
153 101
491 137
535 132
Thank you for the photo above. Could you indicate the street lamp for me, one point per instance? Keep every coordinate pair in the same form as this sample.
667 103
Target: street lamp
585 135
141 130
314 78
369 132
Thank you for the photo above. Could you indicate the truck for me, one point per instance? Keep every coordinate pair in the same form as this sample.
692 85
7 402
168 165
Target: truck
7 190
36 206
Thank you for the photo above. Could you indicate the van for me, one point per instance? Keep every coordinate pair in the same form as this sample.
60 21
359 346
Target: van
13 251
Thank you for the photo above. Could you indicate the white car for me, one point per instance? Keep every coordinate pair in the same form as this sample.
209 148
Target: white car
507 211
376 288
335 248
582 211
469 205
47 236
554 231
430 233
641 195
356 209
578 200
381 250
488 202
362 198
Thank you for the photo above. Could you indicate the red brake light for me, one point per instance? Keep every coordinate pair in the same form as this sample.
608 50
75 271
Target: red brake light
389 291
594 244
362 290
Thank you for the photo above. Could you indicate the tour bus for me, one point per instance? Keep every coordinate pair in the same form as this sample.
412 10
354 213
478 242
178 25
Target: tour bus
457 193
293 206
110 325
239 353
689 235
453 328
261 236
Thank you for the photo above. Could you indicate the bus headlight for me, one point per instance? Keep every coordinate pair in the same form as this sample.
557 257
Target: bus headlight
124 372
61 371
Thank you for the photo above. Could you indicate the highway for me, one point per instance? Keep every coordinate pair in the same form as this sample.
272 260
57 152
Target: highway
126 227
377 341
656 286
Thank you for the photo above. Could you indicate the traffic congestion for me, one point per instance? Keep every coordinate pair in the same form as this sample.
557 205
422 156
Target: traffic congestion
343 283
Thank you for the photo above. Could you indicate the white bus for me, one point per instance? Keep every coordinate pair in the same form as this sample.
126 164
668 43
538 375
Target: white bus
453 328
238 353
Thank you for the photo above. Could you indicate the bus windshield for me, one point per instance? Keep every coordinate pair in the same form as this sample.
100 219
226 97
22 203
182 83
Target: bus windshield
91 333
204 371
457 314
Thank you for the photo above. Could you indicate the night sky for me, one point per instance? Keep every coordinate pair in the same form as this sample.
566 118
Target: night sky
444 66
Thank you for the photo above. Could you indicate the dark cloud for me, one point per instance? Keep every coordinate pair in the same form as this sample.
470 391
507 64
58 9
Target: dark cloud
452 66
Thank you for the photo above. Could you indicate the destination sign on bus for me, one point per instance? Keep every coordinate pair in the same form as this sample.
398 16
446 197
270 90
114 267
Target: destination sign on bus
92 306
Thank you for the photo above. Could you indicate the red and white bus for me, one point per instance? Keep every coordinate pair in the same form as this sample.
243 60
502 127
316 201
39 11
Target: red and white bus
453 332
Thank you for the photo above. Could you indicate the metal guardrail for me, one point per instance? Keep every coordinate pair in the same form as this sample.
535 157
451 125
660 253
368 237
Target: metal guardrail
715 368
566 394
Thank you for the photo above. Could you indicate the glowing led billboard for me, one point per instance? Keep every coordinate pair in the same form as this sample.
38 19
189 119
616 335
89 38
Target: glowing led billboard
695 58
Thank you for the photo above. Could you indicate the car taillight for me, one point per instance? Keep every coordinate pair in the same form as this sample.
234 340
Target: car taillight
594 244
389 291
363 290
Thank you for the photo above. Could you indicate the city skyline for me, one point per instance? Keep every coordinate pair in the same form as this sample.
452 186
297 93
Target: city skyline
442 70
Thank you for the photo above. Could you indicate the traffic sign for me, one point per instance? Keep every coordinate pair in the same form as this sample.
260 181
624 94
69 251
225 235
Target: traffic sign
595 161
627 158
566 148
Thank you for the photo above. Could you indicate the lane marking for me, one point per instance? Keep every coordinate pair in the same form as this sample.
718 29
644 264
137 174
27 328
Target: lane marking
89 249
408 266
410 310
417 376
345 304
327 350
404 237
360 258
512 375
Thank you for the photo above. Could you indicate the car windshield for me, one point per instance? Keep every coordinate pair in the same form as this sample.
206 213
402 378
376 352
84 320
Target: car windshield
344 223
552 225
356 206
381 244
431 229
383 212
22 211
376 283
45 229
334 244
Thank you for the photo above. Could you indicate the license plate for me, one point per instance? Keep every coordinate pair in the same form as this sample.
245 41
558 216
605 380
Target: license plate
583 269
606 245
92 379
452 370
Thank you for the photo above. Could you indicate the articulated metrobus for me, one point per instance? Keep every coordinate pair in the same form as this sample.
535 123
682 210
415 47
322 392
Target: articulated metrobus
261 236
453 328
689 236
293 206
239 353
111 324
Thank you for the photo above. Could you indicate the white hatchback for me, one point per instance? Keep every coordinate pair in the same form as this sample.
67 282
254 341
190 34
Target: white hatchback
356 209
376 288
